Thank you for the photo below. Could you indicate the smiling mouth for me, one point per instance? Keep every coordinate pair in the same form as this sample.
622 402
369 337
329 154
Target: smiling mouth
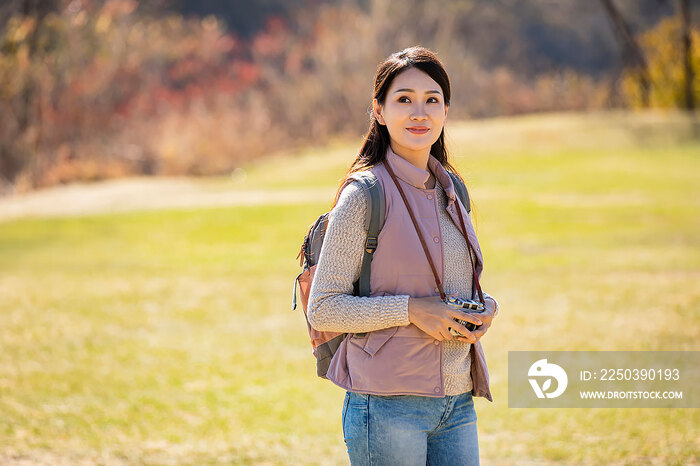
418 130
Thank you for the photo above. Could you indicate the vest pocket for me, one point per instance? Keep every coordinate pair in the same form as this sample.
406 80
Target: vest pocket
393 361
373 341
376 339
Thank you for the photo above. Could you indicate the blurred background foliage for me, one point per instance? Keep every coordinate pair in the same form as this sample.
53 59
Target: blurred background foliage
95 89
665 67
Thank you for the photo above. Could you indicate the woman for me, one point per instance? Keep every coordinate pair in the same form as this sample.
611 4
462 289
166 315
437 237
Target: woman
409 383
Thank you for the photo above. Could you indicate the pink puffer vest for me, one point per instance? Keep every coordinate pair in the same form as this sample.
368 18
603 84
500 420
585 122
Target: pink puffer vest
405 360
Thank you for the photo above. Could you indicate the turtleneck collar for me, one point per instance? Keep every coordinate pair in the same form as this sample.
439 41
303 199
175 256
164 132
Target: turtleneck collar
417 177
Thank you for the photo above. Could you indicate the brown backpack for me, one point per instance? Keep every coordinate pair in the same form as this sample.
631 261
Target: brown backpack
325 344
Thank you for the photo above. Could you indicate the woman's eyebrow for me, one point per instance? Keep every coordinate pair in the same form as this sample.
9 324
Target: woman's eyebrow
433 91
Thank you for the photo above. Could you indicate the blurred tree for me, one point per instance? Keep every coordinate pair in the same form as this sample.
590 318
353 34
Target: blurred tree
100 88
523 35
25 107
243 17
687 56
74 78
631 52
666 64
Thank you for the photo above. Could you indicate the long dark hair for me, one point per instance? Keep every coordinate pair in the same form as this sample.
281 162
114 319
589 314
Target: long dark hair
376 141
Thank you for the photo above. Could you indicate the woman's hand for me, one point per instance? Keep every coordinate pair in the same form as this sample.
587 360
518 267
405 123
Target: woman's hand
435 318
486 317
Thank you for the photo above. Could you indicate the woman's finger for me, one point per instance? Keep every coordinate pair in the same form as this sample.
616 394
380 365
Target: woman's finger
466 334
465 316
479 332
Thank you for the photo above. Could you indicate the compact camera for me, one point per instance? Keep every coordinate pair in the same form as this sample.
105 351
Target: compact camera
462 304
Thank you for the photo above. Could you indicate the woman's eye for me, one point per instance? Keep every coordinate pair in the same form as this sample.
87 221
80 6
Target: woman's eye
433 98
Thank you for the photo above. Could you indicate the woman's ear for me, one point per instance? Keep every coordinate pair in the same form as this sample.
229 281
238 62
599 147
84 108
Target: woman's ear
377 108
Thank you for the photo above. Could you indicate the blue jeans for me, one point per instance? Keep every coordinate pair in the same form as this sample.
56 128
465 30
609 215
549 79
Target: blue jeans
410 429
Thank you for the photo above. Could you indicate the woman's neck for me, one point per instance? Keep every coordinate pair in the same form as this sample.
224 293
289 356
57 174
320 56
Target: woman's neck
417 158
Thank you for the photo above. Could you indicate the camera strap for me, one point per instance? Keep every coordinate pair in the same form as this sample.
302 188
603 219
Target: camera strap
425 247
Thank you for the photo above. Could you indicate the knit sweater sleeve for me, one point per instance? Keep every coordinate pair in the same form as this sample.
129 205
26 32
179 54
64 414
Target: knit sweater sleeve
488 296
332 306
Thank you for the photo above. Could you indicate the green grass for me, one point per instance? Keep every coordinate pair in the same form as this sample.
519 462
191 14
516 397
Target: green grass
166 337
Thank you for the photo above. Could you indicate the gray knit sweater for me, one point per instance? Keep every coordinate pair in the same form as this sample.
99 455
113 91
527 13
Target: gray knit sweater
332 307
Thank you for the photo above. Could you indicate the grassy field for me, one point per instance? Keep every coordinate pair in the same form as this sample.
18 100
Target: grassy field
166 337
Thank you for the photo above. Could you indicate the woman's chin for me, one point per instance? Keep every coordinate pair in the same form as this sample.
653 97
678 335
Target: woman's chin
419 147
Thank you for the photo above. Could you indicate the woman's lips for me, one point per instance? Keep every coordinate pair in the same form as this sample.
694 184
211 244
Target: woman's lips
418 131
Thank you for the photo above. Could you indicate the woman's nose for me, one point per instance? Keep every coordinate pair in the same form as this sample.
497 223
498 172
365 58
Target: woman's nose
419 113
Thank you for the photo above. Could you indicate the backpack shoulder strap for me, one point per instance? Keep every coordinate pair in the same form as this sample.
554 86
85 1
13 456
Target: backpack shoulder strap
461 190
374 221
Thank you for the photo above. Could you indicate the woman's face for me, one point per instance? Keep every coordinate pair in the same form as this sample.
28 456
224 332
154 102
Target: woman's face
414 100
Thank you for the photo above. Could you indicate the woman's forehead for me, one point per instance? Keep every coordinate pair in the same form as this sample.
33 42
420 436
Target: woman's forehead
414 80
